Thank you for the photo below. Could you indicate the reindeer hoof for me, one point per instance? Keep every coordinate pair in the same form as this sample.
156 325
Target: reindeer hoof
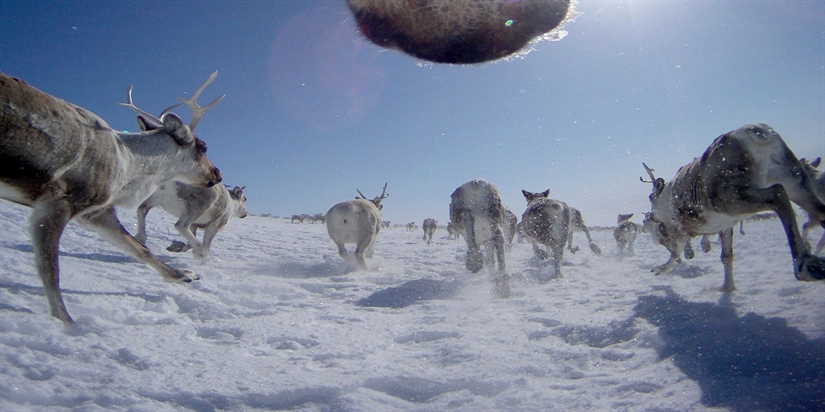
178 246
810 268
595 249
183 276
475 261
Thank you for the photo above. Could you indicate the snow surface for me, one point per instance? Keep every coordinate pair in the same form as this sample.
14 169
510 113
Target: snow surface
279 321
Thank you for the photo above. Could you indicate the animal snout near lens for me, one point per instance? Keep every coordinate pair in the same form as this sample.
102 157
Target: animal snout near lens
457 31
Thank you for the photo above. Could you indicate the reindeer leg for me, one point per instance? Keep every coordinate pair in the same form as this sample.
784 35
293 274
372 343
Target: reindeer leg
210 232
570 243
105 223
475 259
726 236
593 247
142 211
184 227
689 251
807 267
705 242
47 224
558 258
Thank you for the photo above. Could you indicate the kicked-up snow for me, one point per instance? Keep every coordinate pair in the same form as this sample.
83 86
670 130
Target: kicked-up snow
280 322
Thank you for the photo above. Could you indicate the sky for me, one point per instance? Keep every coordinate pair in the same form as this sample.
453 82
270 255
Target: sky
313 111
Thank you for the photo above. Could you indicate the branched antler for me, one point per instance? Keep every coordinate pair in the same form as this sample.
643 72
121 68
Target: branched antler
649 173
197 110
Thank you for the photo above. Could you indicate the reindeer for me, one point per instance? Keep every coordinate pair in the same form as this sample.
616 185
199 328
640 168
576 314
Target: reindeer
67 163
577 223
300 218
625 233
819 186
743 172
316 218
546 222
452 232
429 226
510 227
653 229
196 208
477 213
356 221
412 227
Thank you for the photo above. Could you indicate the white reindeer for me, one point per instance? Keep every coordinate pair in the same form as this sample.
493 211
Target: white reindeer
356 221
546 222
208 208
743 172
625 233
429 226
67 163
477 213
819 187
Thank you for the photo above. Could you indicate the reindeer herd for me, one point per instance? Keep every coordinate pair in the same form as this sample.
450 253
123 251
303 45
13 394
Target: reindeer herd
67 164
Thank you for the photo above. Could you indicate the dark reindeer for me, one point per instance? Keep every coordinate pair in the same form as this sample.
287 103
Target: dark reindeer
743 172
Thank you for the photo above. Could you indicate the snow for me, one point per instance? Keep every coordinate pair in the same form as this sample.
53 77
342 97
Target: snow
280 321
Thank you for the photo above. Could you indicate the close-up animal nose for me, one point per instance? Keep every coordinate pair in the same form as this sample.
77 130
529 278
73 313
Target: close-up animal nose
218 178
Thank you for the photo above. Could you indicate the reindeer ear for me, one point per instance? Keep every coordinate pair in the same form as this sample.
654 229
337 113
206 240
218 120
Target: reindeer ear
179 131
146 125
816 162
546 193
659 185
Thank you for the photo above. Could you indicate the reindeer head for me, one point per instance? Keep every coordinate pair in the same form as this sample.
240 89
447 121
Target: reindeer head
534 196
624 218
237 195
191 149
658 183
376 200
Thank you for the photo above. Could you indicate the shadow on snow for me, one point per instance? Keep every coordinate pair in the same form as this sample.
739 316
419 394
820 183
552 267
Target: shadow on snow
743 363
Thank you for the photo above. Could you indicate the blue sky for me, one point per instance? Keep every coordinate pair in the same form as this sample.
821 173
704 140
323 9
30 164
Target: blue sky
313 111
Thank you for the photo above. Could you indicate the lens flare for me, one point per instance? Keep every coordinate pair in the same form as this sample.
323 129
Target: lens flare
458 31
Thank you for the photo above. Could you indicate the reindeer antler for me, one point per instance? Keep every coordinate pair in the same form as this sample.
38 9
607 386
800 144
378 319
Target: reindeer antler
197 110
649 173
132 106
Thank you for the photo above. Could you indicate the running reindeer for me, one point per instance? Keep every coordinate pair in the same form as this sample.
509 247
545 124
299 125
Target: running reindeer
546 222
356 221
745 171
429 226
67 163
207 208
477 213
625 233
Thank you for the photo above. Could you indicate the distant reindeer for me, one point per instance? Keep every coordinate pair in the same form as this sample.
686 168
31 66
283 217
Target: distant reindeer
300 218
412 227
577 223
510 227
546 222
477 213
386 224
429 226
356 221
67 163
819 186
452 232
743 172
316 218
625 233
196 208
